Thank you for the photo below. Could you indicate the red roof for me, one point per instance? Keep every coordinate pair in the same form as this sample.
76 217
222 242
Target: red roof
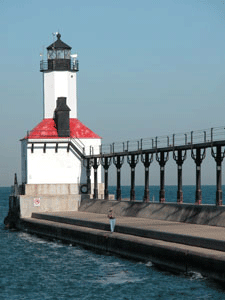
46 130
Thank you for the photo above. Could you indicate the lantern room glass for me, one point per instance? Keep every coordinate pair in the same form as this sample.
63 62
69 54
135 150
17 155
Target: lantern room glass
59 54
51 54
67 54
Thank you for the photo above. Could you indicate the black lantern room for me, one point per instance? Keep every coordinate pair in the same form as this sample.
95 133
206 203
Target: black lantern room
59 57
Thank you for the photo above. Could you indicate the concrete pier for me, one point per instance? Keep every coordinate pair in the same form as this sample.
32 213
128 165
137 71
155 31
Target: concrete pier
174 245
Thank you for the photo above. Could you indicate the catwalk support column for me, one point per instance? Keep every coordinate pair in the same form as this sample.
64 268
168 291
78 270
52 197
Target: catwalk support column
162 158
179 158
146 159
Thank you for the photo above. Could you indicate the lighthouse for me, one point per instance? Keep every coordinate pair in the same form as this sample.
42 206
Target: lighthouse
53 152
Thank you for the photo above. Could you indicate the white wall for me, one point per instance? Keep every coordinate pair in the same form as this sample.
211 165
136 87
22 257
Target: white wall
57 167
59 84
95 143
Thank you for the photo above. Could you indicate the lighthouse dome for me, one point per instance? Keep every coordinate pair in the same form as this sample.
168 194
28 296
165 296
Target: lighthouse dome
58 44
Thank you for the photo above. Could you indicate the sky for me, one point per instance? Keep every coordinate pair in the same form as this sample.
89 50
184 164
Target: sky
147 68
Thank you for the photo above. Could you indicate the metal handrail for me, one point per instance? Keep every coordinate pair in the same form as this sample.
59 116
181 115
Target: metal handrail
180 139
78 143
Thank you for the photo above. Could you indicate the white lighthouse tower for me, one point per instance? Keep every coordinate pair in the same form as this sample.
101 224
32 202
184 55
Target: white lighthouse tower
53 169
60 77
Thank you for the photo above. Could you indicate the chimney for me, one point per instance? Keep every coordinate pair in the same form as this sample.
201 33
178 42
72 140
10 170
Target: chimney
62 117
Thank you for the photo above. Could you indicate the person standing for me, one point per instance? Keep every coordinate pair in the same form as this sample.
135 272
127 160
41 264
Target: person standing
112 220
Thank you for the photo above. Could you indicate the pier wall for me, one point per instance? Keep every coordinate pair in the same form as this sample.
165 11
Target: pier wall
196 214
177 257
48 203
186 213
179 249
52 198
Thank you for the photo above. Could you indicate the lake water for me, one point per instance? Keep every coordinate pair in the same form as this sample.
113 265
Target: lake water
34 268
208 193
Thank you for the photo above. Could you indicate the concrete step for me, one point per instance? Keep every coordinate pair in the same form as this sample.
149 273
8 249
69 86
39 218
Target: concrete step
100 222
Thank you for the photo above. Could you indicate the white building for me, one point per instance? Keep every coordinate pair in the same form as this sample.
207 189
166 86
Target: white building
52 153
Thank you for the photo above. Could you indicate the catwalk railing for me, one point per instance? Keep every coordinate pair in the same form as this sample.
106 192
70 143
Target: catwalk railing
59 65
145 149
201 138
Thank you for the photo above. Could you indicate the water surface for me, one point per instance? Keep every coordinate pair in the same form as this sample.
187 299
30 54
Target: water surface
34 268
